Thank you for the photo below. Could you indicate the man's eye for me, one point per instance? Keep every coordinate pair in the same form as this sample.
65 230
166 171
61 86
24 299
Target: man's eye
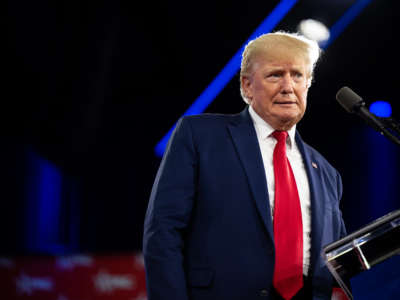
298 75
274 75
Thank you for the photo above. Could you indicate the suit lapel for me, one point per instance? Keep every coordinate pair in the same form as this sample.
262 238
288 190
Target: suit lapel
317 204
245 140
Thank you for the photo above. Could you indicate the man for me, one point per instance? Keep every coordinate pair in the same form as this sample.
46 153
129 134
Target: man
230 217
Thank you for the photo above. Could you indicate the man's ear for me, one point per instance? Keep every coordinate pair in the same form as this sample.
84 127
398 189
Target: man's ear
309 82
246 87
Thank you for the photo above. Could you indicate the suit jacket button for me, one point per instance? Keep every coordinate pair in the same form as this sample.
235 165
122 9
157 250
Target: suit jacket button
264 293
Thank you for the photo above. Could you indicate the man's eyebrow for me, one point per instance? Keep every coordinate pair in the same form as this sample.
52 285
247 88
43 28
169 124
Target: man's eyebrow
270 69
279 68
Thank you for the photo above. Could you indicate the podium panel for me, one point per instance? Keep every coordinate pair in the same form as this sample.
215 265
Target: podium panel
359 252
382 282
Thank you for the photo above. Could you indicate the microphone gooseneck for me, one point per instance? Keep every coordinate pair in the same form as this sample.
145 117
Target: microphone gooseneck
353 103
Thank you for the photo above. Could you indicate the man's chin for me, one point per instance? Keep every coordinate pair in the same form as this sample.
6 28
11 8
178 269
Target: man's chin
287 121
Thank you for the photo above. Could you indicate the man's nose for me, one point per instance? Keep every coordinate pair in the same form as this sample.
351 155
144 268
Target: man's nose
287 84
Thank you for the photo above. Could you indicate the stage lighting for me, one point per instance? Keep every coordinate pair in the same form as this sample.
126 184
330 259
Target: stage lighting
381 109
314 30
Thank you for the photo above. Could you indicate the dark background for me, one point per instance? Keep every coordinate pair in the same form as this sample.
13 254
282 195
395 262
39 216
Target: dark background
90 87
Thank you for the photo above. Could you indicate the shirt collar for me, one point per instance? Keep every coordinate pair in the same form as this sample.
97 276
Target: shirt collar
264 130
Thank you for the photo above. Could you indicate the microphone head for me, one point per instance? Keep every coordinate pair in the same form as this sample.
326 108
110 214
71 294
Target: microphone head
348 99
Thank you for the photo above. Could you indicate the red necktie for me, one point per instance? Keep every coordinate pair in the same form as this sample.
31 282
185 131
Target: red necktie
288 227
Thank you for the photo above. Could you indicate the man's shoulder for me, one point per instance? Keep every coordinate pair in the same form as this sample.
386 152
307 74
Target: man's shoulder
207 127
207 120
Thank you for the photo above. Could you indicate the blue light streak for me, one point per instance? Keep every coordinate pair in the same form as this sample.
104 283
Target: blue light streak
345 21
223 78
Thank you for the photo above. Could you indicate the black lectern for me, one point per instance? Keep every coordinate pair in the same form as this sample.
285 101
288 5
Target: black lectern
361 250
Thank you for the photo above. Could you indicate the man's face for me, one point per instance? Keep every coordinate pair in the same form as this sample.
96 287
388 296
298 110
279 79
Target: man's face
277 90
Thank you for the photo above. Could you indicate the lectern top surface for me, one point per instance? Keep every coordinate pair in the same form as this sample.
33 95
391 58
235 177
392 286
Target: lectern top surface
364 230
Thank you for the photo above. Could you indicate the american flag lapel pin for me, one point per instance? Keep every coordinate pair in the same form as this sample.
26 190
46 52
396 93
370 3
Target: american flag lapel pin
315 166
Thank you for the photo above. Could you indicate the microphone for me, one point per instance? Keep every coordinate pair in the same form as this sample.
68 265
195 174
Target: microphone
353 103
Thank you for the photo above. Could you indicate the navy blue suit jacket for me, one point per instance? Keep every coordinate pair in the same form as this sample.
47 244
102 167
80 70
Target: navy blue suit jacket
208 230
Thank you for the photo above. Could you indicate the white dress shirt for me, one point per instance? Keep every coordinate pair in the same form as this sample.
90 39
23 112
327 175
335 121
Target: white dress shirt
267 144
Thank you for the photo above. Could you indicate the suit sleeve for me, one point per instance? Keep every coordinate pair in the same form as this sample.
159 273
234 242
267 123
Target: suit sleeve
168 215
337 292
343 231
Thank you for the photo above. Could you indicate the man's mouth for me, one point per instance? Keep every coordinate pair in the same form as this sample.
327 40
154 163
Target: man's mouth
285 102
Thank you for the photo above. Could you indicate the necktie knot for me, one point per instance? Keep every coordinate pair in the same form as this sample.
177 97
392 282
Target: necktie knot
280 136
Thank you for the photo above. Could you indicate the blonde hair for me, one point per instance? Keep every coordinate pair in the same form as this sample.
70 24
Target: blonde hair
278 44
